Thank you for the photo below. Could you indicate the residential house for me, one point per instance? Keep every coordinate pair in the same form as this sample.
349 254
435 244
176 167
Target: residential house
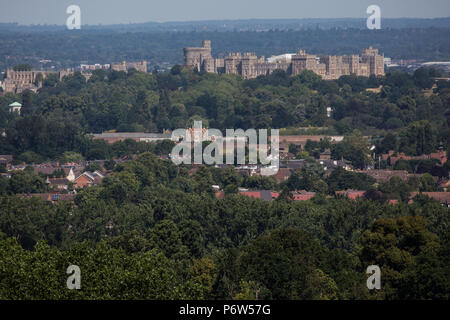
6 160
302 195
351 194
58 183
88 178
326 155
283 174
260 194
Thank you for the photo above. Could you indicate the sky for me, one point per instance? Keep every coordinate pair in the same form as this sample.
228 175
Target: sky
94 12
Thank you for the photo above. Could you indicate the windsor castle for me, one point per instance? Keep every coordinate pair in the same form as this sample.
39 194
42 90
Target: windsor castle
248 65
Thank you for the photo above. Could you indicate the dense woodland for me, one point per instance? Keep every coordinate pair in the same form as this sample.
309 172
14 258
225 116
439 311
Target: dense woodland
56 120
153 231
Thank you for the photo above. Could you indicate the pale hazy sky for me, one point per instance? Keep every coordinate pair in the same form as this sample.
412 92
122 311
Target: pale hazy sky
137 11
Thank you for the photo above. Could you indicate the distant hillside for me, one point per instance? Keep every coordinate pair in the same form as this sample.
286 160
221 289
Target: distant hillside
244 25
103 45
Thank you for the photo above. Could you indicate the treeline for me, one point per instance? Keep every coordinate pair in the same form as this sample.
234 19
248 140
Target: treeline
35 139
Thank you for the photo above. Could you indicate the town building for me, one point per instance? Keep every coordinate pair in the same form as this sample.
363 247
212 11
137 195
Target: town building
58 183
350 194
18 81
87 179
15 107
112 137
125 66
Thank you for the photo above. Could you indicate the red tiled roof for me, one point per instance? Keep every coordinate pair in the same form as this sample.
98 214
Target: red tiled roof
254 194
355 194
303 197
351 194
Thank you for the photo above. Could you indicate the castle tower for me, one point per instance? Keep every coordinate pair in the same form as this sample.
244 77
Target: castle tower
199 58
206 44
303 61
374 61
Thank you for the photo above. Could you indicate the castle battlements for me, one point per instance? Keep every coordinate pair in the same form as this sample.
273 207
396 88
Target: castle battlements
248 65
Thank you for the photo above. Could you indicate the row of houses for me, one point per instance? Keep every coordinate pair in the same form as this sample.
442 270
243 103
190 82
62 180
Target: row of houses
85 179
303 195
392 157
59 176
268 195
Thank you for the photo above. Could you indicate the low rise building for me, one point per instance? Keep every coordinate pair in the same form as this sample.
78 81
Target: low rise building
112 137
87 179
351 194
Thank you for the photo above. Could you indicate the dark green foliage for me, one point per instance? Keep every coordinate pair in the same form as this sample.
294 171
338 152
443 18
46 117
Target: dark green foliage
341 179
237 247
154 230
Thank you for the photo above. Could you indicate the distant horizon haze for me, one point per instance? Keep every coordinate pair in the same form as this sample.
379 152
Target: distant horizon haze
99 12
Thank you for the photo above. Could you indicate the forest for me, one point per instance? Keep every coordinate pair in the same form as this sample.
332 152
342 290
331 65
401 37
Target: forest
58 119
154 230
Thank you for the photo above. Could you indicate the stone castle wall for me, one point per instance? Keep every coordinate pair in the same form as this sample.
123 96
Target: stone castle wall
248 65
18 81
124 66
